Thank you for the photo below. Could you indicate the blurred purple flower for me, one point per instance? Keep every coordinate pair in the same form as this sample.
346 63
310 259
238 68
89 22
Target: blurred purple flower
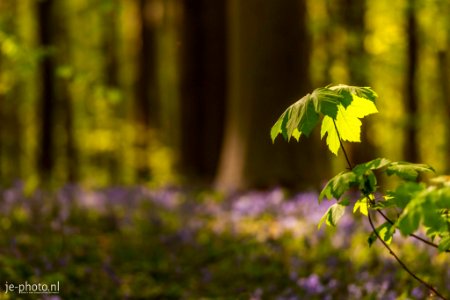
255 203
417 293
311 284
257 294
354 291
167 198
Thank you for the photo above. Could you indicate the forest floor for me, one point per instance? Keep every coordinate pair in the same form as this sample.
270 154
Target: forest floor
134 242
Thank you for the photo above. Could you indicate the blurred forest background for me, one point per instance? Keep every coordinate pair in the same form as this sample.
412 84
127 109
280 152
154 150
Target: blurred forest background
163 92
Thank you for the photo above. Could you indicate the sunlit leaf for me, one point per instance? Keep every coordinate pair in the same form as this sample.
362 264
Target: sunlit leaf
347 122
385 231
332 215
361 205
342 106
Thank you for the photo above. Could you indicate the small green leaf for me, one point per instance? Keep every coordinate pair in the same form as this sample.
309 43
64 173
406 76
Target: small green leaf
441 197
403 194
409 221
375 164
372 238
369 183
332 215
444 243
361 205
423 207
407 171
338 185
385 231
276 128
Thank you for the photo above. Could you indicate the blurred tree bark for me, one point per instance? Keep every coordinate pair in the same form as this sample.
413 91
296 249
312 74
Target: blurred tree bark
269 70
411 146
2 121
444 75
63 100
111 71
47 104
146 108
203 87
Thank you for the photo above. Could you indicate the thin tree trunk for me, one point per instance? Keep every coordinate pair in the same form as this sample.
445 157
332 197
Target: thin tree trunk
64 101
444 74
46 154
146 106
411 104
111 73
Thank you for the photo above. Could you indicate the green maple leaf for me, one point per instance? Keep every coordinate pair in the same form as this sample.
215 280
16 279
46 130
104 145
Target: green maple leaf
347 122
342 106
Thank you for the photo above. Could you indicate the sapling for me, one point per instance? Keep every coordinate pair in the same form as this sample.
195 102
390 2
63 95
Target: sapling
417 204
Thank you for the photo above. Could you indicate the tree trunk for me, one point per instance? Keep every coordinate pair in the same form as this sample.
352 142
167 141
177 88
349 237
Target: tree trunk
146 107
111 71
64 101
444 74
411 104
46 154
203 87
269 69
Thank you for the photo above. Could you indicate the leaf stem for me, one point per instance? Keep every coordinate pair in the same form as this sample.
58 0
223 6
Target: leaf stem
402 264
427 285
412 234
342 147
429 243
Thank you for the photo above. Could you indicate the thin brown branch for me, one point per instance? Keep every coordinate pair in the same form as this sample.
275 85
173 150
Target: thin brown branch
429 243
412 234
427 285
342 147
402 264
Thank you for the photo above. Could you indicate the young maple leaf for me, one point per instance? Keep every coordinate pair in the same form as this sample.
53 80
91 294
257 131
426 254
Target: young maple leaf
347 122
